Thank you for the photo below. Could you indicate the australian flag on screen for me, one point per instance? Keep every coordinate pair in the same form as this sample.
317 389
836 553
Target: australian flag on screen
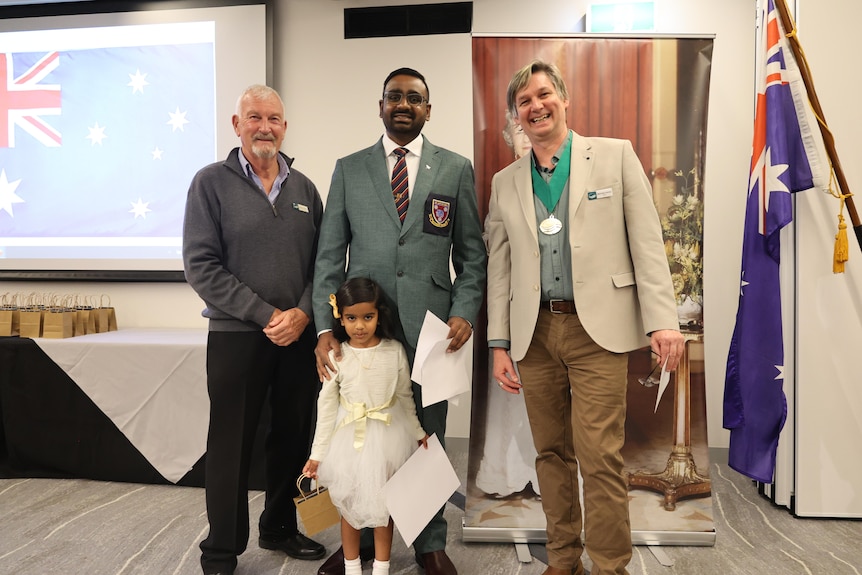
784 160
103 142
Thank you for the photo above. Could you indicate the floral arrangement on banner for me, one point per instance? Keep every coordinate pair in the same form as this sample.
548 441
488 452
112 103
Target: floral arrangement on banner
682 226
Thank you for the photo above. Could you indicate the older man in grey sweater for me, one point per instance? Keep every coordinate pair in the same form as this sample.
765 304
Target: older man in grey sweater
249 243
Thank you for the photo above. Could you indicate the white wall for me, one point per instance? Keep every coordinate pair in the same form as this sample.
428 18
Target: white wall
331 87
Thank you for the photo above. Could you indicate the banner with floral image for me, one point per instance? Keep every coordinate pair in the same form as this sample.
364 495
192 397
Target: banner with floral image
682 226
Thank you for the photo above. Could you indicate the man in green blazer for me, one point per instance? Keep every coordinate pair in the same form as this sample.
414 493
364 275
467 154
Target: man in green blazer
407 250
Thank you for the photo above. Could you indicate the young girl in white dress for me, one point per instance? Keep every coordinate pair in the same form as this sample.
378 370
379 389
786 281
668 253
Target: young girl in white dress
366 421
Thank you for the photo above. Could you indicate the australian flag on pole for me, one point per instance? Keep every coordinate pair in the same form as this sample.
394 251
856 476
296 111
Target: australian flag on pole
784 160
101 130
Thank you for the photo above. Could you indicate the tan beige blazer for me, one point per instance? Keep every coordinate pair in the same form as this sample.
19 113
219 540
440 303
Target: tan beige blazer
620 274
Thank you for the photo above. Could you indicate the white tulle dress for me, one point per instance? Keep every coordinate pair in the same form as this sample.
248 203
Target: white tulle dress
366 429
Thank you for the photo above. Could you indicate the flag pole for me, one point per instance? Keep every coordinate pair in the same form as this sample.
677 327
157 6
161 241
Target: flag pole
828 140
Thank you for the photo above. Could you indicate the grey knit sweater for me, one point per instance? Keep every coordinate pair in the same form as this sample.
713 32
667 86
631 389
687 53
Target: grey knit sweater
244 256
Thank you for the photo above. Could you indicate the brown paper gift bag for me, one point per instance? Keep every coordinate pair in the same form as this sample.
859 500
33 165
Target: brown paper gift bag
58 323
85 320
112 319
30 321
9 321
78 323
315 508
100 316
106 317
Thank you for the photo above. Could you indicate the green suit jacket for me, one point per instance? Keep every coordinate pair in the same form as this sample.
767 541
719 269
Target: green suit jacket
410 261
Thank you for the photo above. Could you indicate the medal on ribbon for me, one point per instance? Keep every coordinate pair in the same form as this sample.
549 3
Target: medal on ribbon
550 225
549 192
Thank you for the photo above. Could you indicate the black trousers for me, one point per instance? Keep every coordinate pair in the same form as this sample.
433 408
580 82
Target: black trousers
241 368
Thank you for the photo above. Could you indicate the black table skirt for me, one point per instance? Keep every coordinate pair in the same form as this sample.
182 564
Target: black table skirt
50 428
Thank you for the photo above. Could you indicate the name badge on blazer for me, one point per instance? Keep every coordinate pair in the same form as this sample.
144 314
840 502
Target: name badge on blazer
439 211
599 194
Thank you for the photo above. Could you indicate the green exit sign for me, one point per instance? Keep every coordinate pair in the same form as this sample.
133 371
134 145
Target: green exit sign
621 17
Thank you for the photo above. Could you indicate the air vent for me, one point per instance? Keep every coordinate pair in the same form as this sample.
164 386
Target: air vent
410 20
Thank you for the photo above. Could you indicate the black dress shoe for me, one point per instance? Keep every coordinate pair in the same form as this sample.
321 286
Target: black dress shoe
297 546
335 564
437 563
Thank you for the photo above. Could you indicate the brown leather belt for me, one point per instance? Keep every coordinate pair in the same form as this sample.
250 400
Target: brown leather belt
560 306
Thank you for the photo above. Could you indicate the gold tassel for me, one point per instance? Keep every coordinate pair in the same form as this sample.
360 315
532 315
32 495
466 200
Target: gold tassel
841 249
841 253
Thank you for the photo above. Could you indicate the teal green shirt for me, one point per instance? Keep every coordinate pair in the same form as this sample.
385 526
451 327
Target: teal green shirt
555 251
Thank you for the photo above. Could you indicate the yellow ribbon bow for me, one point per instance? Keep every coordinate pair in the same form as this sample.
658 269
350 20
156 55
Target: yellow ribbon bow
357 412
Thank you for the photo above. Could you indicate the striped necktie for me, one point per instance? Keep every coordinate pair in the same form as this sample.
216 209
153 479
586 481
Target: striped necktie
399 183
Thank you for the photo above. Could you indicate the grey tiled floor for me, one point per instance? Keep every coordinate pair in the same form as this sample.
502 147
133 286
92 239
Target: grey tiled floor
60 526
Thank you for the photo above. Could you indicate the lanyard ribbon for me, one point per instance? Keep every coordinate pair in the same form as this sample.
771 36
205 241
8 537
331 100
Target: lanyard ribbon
549 192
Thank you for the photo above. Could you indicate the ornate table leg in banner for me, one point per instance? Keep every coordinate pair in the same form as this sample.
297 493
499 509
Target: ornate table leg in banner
680 478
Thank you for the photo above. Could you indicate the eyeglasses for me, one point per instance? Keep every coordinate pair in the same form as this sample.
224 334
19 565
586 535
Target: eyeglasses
413 98
650 380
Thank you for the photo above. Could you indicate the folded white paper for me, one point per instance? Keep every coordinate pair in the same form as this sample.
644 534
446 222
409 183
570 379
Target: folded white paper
442 375
419 489
663 380
433 330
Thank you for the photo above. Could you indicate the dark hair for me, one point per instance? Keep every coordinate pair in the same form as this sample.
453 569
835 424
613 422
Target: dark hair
407 72
362 290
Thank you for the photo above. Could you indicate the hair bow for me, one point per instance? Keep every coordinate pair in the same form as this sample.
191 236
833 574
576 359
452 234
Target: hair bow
334 305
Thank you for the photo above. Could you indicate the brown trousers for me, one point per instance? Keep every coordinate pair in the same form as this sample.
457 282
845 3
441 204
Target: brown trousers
575 392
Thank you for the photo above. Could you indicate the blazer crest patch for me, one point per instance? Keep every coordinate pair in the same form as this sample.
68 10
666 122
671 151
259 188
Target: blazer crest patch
440 210
439 215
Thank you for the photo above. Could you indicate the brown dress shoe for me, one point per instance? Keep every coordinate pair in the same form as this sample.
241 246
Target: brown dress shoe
438 563
335 564
557 571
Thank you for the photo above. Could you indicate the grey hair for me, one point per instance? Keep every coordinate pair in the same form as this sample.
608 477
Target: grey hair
522 77
257 92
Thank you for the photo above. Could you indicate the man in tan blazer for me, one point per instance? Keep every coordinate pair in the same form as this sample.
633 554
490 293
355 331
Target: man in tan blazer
577 278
